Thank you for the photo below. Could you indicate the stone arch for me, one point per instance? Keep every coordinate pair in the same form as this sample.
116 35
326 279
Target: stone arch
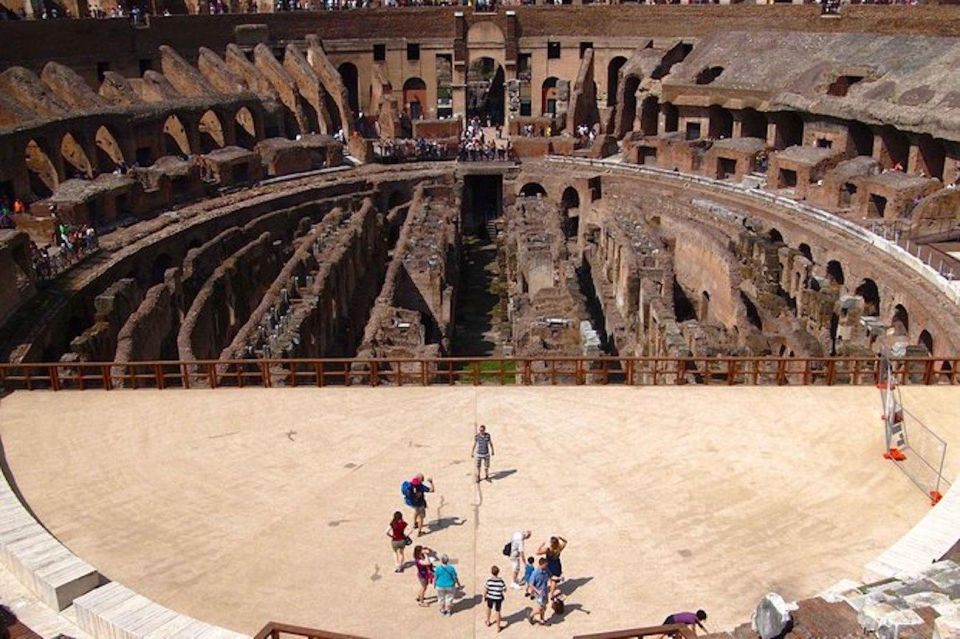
926 340
533 189
71 149
649 115
805 251
752 314
414 98
485 35
835 272
570 203
870 293
775 236
900 322
245 128
485 90
175 140
351 80
613 78
627 109
753 124
109 153
721 122
210 131
40 169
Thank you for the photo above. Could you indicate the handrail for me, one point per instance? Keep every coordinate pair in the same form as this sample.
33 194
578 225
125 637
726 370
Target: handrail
476 371
273 630
673 629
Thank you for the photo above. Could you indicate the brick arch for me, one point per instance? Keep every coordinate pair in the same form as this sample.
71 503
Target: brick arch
74 155
41 171
109 154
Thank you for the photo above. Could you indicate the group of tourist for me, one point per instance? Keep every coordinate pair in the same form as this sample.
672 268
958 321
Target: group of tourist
587 134
475 146
538 575
390 151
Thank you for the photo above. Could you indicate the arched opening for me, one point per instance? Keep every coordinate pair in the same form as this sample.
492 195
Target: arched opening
160 266
835 272
774 236
649 114
351 81
414 98
753 124
245 128
211 132
932 156
805 251
74 155
900 323
570 202
175 140
627 111
109 155
753 315
533 189
721 122
683 308
894 149
861 137
926 340
871 297
613 78
834 330
485 91
43 175
671 117
704 306
789 130
549 96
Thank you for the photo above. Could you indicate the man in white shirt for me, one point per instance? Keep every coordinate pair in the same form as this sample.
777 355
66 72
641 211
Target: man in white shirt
517 558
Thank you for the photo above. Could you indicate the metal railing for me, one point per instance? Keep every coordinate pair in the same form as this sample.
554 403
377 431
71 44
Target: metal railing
274 630
668 630
474 371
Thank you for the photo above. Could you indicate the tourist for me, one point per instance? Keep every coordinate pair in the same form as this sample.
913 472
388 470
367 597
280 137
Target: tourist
540 584
414 495
421 559
494 593
396 531
516 554
445 580
687 618
551 552
482 451
527 574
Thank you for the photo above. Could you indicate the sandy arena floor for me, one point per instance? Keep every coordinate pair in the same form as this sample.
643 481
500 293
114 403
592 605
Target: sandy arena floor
243 506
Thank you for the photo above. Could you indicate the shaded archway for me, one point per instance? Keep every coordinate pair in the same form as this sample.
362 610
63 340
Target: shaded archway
649 115
549 96
721 122
926 340
671 117
870 293
894 148
613 78
861 137
532 189
570 203
789 130
175 141
211 132
753 315
76 158
109 154
805 251
351 80
245 128
414 98
485 91
900 323
40 169
627 108
835 272
775 236
753 124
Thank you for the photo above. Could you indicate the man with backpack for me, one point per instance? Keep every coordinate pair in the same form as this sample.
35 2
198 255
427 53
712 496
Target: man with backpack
514 550
414 495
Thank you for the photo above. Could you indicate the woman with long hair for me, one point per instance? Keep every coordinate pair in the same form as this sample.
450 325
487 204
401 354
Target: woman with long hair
421 558
551 550
396 531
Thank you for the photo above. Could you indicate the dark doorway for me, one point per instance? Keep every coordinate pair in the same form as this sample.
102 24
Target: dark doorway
350 77
485 91
613 78
481 202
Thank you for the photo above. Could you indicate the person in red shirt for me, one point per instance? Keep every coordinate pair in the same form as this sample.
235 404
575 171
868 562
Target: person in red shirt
397 532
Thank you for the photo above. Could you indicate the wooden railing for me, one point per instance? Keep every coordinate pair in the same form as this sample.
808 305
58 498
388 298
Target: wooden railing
525 371
274 630
674 629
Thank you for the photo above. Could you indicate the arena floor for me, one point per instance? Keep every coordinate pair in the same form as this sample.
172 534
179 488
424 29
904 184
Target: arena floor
243 506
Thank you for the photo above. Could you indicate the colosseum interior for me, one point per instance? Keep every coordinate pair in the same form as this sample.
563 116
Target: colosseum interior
464 200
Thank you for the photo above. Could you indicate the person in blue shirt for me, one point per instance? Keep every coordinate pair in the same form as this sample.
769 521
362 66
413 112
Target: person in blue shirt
528 570
540 585
414 496
445 580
